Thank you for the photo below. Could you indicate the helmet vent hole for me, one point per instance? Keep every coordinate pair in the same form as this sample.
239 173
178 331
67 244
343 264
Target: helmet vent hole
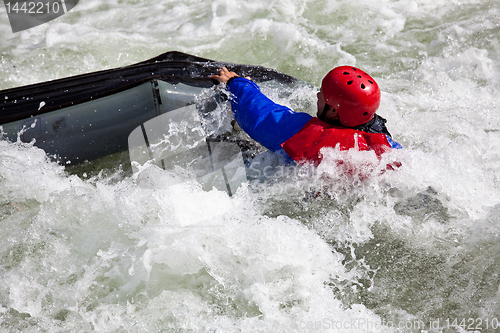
349 83
370 81
359 76
362 86
346 73
354 69
365 114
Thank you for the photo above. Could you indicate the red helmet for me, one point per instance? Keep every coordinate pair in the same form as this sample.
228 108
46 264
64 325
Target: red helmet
353 93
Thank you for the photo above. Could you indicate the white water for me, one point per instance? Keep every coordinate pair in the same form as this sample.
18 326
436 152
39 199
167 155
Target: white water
101 253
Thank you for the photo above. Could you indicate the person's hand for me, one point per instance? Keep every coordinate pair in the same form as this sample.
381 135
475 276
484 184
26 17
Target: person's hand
224 75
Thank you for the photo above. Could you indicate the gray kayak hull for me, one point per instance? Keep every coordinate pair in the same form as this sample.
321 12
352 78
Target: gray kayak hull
89 116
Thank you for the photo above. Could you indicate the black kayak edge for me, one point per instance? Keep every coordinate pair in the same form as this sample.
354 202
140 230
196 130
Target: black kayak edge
172 67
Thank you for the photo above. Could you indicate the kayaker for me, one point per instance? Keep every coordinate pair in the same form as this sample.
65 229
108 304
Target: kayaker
347 102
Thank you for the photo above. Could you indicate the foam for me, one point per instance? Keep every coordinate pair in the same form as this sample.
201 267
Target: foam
108 253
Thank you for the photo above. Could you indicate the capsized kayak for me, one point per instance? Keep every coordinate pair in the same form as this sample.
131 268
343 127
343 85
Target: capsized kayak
89 116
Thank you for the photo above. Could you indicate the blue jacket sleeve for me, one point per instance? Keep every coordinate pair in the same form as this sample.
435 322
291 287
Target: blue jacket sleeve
266 122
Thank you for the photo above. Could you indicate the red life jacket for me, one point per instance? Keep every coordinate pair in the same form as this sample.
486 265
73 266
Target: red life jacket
305 146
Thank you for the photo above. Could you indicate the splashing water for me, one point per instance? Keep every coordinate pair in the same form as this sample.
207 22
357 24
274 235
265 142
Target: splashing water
406 250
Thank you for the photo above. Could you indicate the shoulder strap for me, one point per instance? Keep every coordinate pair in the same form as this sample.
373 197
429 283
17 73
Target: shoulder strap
376 125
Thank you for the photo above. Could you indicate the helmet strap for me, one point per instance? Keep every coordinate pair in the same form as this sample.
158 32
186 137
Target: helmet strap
323 114
326 108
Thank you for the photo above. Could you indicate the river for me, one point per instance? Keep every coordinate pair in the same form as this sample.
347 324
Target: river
411 250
